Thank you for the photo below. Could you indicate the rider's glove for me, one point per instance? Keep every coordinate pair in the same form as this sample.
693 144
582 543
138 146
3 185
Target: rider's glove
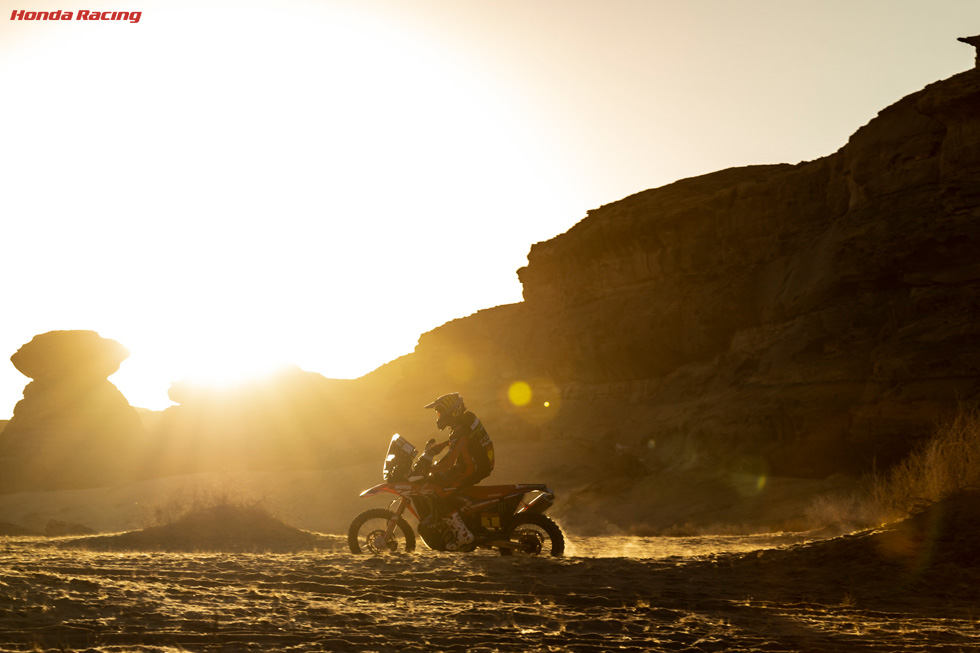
436 449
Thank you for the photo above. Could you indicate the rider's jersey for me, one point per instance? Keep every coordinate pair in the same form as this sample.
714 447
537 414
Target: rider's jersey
470 457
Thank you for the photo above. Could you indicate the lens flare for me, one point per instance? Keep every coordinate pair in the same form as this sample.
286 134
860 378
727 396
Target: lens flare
519 393
750 476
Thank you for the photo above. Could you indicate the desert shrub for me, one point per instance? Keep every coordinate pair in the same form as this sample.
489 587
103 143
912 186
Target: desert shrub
843 511
199 498
943 466
946 464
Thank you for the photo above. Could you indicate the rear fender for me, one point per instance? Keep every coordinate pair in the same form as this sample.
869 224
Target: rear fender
540 503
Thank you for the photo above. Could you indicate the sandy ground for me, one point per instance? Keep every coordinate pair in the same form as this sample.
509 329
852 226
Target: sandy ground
241 582
895 590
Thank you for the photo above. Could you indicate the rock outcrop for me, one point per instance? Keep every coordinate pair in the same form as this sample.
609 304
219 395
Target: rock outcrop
291 420
73 427
975 42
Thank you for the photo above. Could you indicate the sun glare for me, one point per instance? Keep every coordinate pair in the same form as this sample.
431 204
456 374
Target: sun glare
205 360
294 182
225 374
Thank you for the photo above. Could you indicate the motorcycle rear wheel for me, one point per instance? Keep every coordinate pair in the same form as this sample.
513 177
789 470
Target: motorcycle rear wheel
536 535
367 528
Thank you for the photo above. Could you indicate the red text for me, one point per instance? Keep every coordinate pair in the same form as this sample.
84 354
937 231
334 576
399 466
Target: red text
83 14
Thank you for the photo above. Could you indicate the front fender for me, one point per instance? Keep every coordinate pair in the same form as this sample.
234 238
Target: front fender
403 490
377 489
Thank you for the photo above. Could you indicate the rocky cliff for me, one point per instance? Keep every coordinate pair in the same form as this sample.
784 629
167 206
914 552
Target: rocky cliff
820 315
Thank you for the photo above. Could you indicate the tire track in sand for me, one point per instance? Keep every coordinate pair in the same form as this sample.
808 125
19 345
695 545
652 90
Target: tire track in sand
56 599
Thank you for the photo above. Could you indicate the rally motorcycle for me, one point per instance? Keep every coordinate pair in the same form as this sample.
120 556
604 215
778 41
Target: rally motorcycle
498 515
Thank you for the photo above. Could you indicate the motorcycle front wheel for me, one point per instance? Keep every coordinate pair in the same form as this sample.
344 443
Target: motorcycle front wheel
535 535
366 533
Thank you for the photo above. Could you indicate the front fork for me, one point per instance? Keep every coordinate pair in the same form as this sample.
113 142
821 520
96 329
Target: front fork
398 508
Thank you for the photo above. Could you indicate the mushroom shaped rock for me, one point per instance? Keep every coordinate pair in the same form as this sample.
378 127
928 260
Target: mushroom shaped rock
69 353
73 427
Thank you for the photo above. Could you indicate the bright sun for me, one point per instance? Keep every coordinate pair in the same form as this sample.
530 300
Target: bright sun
280 183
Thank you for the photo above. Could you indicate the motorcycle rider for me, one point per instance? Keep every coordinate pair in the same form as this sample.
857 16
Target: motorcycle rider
469 460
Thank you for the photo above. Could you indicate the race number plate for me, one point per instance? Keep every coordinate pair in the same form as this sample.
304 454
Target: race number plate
490 520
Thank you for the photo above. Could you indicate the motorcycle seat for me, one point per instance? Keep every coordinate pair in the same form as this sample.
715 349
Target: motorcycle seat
488 492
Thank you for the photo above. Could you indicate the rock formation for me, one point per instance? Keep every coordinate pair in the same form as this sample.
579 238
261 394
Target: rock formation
975 42
73 427
286 421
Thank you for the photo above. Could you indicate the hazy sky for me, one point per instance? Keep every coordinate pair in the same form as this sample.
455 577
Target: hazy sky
226 185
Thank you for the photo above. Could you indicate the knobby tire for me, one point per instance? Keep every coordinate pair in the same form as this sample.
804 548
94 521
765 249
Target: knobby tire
404 536
536 525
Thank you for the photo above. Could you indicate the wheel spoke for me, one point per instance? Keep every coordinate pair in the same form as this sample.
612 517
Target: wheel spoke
367 534
536 535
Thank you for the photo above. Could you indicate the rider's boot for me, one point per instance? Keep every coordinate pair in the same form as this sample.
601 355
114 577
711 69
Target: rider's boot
459 534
